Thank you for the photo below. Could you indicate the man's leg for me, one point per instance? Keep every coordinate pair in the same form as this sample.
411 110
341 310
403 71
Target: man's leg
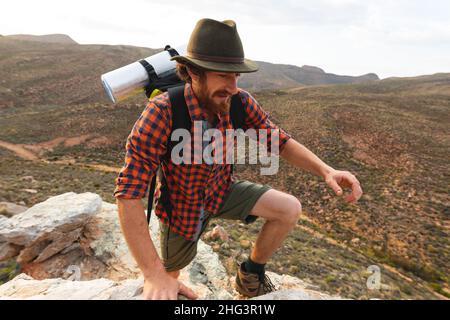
177 252
246 201
281 212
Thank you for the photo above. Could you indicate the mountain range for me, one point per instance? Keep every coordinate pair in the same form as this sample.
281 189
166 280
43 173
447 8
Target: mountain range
54 69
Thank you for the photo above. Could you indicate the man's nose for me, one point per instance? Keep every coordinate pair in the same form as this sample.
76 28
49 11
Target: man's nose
232 83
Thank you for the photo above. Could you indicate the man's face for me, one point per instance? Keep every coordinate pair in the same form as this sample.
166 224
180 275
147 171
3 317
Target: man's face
216 89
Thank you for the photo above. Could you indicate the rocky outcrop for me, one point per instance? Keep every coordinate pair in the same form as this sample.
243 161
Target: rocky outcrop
49 219
71 247
66 230
25 287
9 209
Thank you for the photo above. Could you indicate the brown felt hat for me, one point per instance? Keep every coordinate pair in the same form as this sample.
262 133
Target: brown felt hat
216 46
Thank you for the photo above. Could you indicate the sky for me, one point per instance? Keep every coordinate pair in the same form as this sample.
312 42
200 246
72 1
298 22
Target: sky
347 37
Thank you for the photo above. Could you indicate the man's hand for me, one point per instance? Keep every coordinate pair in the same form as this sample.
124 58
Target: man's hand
164 287
337 180
158 284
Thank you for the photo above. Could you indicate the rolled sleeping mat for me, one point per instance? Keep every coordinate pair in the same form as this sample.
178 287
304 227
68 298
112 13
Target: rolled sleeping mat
133 78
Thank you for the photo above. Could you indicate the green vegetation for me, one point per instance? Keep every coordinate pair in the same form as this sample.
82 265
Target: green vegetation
392 134
8 270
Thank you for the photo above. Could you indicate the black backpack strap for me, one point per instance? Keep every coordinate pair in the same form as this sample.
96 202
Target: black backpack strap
171 51
180 112
151 193
237 115
180 119
237 112
169 80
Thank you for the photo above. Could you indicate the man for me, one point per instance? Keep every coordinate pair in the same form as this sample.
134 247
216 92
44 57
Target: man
199 192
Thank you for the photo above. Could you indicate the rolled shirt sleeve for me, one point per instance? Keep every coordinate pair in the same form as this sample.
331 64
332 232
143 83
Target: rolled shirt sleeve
145 147
258 118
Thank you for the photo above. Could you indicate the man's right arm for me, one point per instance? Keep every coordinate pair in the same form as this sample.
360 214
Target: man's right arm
145 147
158 284
135 230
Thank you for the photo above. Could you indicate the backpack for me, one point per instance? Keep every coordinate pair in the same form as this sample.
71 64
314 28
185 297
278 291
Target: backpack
181 120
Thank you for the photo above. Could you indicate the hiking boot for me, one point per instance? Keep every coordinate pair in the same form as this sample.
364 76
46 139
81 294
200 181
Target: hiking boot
252 284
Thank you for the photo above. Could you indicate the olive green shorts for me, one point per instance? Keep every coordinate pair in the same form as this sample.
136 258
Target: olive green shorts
177 252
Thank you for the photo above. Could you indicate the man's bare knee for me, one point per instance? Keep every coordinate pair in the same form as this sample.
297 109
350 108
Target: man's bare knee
292 211
278 206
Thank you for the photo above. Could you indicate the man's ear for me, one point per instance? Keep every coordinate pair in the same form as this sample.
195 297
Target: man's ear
194 76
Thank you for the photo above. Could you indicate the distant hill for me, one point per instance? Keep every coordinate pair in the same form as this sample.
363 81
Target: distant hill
54 69
36 73
436 84
52 38
274 76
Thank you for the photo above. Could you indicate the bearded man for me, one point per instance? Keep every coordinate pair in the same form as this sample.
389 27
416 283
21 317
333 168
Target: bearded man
201 192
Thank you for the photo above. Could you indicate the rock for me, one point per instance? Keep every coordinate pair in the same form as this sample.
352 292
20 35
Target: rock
9 209
217 233
294 269
207 236
231 265
8 251
59 243
78 237
56 267
103 236
4 224
220 233
292 288
48 245
245 244
61 214
25 287
98 250
29 179
243 256
296 295
73 246
32 191
43 231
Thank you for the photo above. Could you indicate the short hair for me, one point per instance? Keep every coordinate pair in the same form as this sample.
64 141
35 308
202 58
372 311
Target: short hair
183 74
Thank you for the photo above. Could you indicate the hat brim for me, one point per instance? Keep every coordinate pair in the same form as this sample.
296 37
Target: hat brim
246 67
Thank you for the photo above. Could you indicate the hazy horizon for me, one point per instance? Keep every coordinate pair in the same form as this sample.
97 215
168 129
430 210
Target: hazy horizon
345 37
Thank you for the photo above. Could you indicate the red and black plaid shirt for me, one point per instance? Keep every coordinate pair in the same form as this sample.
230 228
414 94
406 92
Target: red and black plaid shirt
193 185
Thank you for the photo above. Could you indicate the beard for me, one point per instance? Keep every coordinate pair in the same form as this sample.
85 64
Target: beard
206 100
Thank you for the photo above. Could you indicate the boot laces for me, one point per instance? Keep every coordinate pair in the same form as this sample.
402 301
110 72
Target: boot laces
267 285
